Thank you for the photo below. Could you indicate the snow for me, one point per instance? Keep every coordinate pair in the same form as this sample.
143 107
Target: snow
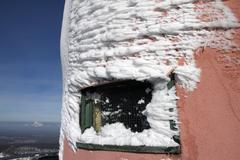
157 115
36 124
141 101
105 40
1 155
106 113
64 56
25 158
187 76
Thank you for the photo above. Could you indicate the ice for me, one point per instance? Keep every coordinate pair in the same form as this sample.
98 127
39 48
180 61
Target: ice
1 155
105 40
141 101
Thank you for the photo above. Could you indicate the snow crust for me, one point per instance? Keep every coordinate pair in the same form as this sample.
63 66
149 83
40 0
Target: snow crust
1 155
105 40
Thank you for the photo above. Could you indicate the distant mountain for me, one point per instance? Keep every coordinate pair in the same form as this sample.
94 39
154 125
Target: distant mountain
36 124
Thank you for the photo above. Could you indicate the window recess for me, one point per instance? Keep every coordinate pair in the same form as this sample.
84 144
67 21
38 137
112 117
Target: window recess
121 101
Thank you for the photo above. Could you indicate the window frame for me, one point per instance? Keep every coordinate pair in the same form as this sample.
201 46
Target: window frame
85 121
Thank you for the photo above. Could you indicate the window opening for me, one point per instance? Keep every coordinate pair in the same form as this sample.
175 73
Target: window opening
122 101
116 102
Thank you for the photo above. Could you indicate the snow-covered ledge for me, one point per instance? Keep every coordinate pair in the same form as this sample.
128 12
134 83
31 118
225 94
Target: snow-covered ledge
141 40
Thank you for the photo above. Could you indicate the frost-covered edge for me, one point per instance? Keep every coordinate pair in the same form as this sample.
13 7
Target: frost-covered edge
64 62
182 74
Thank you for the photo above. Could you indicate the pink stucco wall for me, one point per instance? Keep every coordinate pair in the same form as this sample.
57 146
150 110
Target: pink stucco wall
209 116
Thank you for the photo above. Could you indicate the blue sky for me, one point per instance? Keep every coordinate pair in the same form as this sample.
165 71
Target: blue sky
30 67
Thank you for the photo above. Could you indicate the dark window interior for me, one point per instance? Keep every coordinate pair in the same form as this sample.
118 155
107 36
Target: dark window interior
119 102
122 101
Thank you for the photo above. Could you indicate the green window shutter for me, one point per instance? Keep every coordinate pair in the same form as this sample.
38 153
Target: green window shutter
86 113
82 111
171 83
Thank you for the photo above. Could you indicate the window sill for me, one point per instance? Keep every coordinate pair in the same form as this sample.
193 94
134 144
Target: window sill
134 149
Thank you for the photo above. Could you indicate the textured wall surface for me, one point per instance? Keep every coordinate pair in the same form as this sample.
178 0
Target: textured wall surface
102 40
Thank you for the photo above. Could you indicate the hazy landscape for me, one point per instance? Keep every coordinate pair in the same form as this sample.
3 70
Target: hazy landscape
28 139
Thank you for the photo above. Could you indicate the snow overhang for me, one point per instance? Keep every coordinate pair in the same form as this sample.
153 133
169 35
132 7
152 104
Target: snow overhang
138 40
